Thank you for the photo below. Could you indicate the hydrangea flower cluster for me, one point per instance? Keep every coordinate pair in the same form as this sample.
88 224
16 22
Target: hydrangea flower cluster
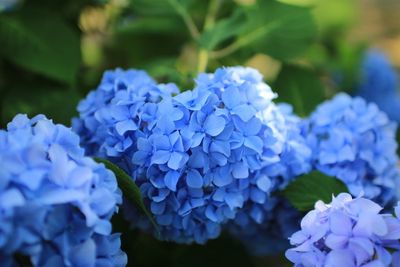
355 142
379 83
264 226
347 232
197 156
55 203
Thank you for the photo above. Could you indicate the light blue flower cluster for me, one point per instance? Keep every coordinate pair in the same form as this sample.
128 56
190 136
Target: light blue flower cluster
355 142
347 232
197 156
55 203
379 83
264 226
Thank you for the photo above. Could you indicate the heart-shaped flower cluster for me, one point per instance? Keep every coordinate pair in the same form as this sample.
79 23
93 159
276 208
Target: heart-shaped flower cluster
347 232
55 203
198 156
356 142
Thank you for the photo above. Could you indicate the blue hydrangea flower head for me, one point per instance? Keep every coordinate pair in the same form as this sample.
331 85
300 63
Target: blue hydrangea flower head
265 226
354 141
55 203
196 153
379 83
346 232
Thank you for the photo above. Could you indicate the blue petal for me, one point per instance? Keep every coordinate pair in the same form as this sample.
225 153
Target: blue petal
214 125
176 160
125 126
264 183
83 255
234 200
171 180
194 179
240 170
160 157
255 143
231 97
245 112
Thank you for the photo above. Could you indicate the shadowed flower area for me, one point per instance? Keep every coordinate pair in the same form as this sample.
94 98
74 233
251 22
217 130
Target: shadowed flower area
55 203
356 142
264 225
346 232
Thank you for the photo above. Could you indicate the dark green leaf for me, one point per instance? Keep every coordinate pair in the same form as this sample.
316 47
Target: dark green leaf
56 103
130 190
280 30
42 42
309 188
300 87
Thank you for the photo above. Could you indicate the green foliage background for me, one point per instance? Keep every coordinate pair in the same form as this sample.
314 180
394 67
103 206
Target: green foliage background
52 52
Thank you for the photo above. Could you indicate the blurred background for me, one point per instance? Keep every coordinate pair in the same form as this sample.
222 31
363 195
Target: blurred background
53 52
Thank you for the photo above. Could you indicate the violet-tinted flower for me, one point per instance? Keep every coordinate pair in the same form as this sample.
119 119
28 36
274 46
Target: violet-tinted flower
346 232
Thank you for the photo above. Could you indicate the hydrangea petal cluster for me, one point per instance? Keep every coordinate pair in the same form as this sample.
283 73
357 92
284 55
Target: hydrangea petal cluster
379 83
200 150
265 226
55 203
347 232
355 142
109 116
220 135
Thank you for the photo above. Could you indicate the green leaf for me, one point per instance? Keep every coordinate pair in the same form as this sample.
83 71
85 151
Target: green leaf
300 87
130 190
309 188
221 31
56 103
42 42
280 30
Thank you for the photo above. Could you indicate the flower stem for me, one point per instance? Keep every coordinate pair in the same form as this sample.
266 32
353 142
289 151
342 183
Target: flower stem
187 19
209 22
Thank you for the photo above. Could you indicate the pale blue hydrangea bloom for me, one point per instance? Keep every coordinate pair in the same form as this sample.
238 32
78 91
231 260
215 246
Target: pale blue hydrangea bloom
379 83
193 155
264 226
55 203
347 232
355 142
